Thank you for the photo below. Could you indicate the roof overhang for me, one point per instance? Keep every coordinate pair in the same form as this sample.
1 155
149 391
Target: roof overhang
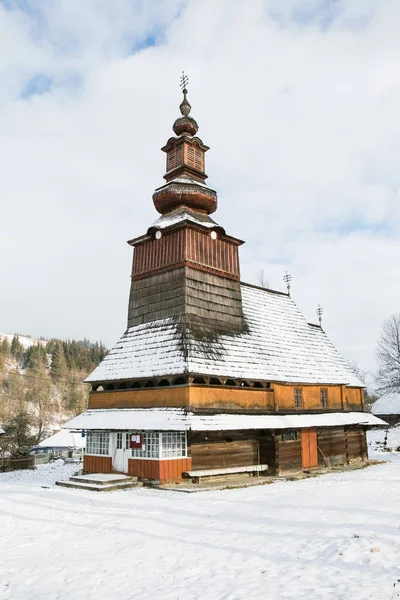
163 419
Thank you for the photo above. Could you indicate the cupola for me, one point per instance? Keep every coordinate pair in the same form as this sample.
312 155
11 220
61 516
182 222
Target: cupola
185 168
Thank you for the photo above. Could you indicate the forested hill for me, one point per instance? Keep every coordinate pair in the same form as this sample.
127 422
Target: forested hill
57 356
41 384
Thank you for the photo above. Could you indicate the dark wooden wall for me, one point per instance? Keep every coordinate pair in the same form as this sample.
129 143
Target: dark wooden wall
211 299
341 445
356 444
332 446
288 455
212 450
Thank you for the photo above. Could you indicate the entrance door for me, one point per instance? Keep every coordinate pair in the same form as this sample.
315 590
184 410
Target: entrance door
309 450
122 452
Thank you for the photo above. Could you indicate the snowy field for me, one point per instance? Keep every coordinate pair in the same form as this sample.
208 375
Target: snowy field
333 537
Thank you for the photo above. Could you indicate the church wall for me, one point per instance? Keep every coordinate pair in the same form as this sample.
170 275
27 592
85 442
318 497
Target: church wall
231 398
195 396
280 397
284 397
174 397
353 398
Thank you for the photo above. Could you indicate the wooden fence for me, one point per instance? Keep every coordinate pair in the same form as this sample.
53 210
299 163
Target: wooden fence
17 464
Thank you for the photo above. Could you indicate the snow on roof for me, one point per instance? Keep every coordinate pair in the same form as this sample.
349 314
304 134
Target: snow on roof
1 431
176 419
389 404
64 439
279 345
183 214
185 180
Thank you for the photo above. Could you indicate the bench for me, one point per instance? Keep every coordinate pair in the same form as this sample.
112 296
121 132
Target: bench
197 475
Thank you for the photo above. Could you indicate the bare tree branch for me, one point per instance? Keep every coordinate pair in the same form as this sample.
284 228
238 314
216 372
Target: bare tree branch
261 279
388 355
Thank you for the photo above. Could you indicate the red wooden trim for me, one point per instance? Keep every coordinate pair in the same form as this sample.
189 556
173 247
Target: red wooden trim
97 464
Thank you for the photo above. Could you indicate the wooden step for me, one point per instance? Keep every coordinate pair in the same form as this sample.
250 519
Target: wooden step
96 487
102 478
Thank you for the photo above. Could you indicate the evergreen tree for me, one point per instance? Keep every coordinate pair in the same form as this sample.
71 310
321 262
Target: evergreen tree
5 348
41 398
58 362
35 358
17 349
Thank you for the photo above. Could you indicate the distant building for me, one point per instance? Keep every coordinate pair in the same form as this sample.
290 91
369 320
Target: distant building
387 407
62 444
214 375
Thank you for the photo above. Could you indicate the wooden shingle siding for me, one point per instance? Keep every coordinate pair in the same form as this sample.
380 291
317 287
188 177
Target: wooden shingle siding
97 464
186 292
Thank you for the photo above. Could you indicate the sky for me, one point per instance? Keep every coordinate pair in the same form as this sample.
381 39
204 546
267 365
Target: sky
299 103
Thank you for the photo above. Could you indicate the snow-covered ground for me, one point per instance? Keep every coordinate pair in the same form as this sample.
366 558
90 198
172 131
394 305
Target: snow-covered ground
334 537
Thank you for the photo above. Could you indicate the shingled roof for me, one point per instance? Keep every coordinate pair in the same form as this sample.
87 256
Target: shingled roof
278 345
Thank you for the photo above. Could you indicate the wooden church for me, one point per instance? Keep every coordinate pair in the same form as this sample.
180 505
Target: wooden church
212 375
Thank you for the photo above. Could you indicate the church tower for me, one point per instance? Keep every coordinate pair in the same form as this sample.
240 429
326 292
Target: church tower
186 266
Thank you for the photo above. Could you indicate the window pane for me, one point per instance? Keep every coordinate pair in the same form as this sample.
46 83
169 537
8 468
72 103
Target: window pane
97 443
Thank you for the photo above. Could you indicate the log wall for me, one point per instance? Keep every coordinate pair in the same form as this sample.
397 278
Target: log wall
288 455
341 445
356 444
223 449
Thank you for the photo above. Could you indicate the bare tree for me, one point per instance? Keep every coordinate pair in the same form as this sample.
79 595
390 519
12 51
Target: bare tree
388 355
261 279
369 398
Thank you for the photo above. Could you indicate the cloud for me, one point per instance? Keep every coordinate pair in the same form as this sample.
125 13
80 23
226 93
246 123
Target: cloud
299 103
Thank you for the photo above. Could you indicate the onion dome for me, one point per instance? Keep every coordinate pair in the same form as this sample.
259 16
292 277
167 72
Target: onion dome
185 192
185 125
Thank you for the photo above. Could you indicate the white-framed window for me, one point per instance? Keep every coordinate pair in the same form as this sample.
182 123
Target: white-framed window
173 444
158 445
98 442
151 446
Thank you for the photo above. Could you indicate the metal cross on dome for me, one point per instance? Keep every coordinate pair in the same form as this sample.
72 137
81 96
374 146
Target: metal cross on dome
287 278
184 81
320 312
